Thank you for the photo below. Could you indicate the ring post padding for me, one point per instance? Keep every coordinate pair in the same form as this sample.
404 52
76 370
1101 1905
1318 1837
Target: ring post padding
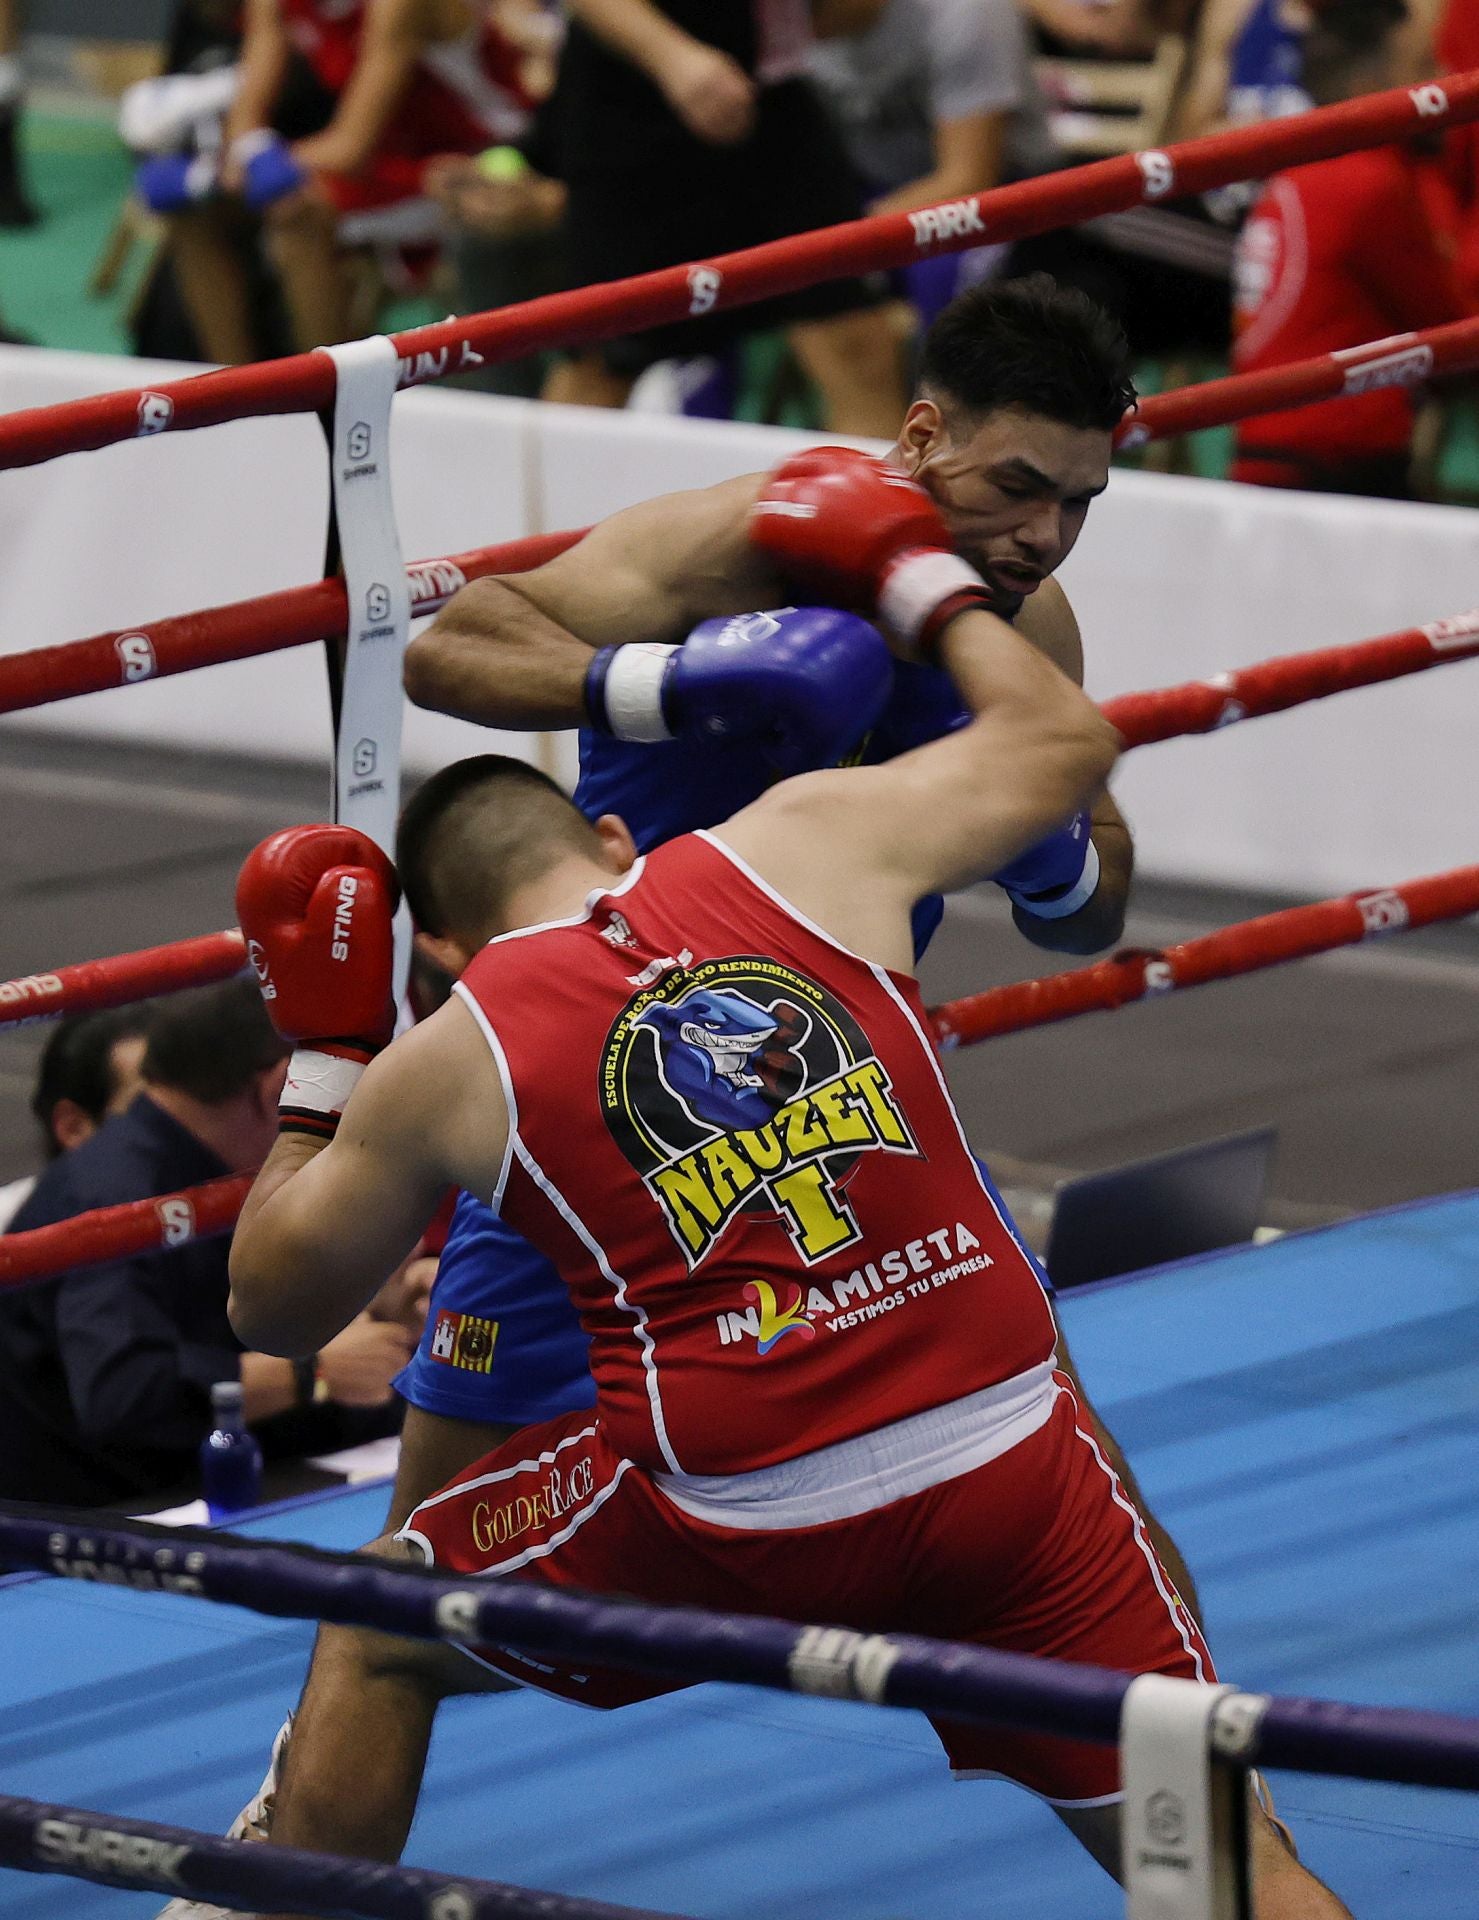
367 749
1185 1819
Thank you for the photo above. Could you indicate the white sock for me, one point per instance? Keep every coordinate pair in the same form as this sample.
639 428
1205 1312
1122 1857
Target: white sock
12 80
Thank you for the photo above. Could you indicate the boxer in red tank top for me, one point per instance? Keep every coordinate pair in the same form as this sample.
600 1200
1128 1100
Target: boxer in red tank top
702 1085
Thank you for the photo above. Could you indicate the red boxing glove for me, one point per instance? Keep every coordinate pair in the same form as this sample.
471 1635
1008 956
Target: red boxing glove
845 525
316 906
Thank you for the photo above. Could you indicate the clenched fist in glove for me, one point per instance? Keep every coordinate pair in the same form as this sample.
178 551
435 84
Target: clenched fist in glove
316 905
803 683
856 529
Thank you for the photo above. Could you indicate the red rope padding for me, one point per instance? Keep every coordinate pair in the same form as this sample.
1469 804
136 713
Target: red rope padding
123 978
112 1233
244 629
1272 686
1404 360
116 1233
1245 948
304 383
1199 706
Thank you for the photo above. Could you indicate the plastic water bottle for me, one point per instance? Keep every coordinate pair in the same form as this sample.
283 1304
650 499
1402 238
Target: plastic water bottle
230 1459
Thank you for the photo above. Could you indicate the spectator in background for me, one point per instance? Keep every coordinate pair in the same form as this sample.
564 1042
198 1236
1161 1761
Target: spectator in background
503 213
1333 255
212 295
688 129
409 80
935 100
91 1067
105 1373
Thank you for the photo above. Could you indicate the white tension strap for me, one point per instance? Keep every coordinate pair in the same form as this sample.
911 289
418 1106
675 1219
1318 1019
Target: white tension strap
367 758
1185 1818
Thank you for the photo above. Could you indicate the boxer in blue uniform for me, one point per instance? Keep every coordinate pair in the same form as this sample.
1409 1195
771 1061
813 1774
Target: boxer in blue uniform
692 704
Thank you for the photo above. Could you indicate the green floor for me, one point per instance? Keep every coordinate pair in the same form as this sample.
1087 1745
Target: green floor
79 175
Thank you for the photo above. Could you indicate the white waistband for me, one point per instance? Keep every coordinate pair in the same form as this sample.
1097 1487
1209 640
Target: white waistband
855 1476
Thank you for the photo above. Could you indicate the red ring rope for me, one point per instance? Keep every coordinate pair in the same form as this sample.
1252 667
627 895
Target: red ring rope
275 621
126 977
1268 941
266 624
111 1233
1404 360
114 1233
1197 706
1273 686
304 383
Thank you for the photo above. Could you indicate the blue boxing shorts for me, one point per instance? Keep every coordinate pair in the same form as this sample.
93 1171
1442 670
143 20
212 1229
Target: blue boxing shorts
502 1343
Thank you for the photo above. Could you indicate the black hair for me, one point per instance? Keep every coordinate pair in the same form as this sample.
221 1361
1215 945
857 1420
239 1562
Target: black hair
1031 344
473 832
77 1064
212 1042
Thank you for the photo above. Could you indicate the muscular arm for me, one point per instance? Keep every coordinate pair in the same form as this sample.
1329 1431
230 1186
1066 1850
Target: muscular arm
855 848
513 652
1048 621
325 1225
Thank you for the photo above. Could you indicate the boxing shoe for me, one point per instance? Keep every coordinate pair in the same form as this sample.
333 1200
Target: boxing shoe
253 1823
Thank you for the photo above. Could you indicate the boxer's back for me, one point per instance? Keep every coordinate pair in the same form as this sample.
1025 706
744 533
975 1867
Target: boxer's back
733 1140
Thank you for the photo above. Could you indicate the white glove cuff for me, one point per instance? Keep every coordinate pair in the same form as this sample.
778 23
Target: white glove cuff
632 691
1078 895
319 1082
246 146
914 586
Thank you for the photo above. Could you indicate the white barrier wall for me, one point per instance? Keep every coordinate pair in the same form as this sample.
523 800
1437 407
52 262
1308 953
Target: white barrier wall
1173 579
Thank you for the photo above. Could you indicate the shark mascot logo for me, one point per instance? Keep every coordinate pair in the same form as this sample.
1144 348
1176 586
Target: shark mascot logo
729 1061
740 1087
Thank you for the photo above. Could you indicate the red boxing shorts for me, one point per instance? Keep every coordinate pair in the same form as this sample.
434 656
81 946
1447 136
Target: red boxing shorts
1037 1550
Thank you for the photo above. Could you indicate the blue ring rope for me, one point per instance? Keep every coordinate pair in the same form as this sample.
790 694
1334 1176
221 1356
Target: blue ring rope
900 1670
114 1852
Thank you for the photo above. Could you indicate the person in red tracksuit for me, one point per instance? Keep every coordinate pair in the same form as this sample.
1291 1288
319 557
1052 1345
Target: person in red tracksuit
1334 255
701 1081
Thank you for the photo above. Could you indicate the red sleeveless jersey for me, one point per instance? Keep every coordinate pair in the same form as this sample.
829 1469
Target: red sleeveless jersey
466 94
732 1138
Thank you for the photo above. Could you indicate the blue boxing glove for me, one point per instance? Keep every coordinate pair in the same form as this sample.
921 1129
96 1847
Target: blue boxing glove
168 182
1058 875
804 683
268 170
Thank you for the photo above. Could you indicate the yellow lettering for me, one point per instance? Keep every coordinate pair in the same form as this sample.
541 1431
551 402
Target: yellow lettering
761 1147
819 1226
872 1083
691 1206
842 1120
804 1133
729 1175
482 1535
